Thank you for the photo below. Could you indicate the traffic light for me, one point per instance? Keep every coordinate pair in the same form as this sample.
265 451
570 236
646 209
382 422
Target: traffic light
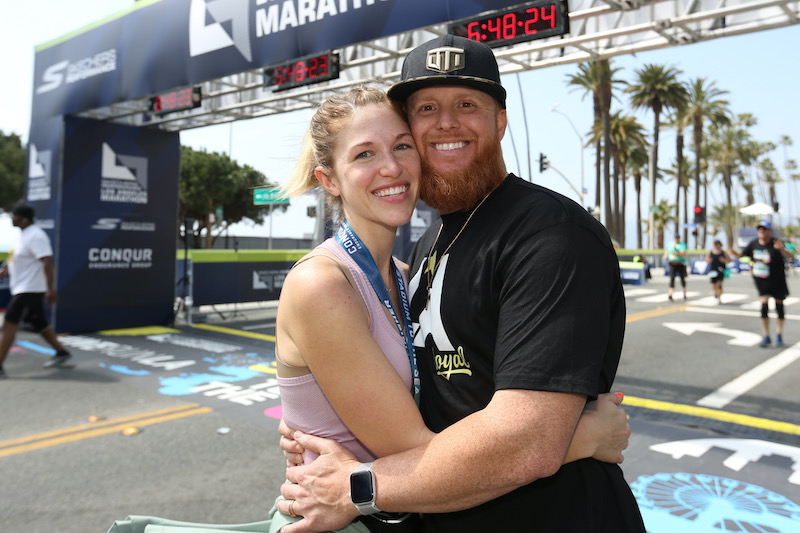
544 164
699 214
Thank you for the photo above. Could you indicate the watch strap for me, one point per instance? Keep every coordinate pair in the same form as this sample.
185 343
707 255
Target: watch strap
367 508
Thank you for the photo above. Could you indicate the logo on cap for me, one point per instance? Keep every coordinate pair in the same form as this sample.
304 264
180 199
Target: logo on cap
445 59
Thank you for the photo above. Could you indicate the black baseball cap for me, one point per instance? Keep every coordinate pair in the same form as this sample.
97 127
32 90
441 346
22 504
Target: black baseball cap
450 60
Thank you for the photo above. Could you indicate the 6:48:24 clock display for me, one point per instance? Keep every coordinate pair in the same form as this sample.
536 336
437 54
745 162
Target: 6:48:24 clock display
531 21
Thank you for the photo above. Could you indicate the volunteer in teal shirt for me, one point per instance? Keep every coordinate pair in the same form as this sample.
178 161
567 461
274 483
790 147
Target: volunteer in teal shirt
675 255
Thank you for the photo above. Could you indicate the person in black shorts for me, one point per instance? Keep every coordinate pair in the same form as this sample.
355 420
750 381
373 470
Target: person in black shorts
30 270
767 256
717 258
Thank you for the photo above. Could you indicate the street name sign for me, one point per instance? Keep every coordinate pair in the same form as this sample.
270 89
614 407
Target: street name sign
265 196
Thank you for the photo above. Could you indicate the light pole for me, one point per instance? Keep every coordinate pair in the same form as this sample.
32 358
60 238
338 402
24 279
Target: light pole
554 109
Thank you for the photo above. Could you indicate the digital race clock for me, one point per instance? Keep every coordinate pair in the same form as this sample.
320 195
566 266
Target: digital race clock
177 100
535 20
303 71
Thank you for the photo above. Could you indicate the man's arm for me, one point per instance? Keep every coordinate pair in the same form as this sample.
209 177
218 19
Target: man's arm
519 437
49 273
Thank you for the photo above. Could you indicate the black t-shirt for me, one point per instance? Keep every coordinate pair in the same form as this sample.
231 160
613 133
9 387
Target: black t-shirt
767 261
767 267
527 297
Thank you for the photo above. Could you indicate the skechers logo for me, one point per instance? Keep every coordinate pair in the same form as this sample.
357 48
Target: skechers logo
204 38
111 224
55 75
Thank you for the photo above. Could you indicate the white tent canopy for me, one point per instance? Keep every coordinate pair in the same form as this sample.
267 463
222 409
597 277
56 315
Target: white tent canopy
757 209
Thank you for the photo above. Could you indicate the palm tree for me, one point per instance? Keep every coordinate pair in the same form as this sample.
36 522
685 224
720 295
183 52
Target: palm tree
681 171
662 216
679 119
768 174
625 134
630 137
725 216
656 87
786 142
730 146
637 160
597 78
704 104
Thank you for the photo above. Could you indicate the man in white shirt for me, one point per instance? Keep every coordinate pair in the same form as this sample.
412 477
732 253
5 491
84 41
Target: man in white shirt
32 280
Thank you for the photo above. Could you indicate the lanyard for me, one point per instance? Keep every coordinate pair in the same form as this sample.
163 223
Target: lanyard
359 253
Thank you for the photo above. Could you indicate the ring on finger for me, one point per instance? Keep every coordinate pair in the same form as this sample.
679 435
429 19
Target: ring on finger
291 510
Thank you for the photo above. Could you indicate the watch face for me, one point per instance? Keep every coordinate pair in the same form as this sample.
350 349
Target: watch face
361 490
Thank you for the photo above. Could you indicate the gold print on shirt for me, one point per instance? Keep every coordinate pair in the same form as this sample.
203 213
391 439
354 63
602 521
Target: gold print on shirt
448 364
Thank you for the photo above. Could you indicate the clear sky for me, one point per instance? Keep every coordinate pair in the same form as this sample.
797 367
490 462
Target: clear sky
760 71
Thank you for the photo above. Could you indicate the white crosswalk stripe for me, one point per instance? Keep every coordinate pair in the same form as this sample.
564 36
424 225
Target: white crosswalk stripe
756 304
729 299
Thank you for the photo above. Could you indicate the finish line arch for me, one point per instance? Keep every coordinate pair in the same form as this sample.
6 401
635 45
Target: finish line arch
102 167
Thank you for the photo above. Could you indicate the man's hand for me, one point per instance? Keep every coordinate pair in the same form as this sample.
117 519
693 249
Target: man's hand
320 491
608 416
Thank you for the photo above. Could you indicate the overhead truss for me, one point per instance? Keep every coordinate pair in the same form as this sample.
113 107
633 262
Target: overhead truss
599 29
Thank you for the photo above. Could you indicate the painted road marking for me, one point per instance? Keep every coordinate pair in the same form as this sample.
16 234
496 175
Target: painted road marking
663 297
655 312
62 436
740 338
756 304
722 416
733 312
238 332
136 332
633 293
745 451
747 381
727 298
265 325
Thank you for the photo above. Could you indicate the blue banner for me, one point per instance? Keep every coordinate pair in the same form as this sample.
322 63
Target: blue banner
173 43
116 266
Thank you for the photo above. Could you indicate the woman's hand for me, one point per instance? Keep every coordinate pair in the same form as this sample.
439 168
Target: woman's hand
610 426
602 431
291 449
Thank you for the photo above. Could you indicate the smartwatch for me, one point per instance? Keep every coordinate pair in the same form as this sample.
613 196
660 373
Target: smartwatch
362 489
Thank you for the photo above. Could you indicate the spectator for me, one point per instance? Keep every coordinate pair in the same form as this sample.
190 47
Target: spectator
32 281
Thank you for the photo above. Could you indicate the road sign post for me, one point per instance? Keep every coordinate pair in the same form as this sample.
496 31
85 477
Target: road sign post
270 197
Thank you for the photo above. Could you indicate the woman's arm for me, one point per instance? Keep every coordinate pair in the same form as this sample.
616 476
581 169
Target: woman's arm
323 324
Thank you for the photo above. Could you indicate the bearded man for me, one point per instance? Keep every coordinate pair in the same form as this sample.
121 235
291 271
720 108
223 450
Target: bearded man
518 317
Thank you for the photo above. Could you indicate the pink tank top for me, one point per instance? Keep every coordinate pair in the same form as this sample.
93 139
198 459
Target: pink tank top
305 406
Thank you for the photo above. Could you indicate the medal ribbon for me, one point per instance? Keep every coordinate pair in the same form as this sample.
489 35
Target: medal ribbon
359 253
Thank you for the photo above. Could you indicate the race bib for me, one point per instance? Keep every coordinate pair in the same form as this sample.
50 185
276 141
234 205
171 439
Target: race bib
761 270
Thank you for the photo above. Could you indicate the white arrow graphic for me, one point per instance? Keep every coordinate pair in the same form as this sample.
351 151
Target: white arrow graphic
744 451
740 338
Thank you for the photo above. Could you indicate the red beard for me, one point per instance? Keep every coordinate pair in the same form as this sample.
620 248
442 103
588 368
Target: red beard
460 190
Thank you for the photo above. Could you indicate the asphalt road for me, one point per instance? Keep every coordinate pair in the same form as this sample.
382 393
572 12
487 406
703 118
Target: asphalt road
716 419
